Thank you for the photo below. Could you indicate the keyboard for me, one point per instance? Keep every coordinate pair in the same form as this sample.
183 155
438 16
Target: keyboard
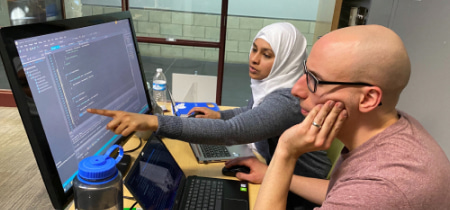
211 151
204 195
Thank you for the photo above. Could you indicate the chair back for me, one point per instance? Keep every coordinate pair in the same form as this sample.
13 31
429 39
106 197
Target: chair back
333 153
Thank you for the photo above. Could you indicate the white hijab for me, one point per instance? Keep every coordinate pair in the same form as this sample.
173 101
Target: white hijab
289 47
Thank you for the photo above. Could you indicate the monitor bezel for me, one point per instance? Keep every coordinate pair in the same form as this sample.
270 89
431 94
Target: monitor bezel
33 127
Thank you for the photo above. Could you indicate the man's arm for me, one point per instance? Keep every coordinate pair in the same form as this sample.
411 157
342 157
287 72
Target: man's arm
297 140
312 189
279 180
276 182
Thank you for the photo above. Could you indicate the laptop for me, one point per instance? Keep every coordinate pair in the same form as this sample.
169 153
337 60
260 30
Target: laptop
157 182
206 153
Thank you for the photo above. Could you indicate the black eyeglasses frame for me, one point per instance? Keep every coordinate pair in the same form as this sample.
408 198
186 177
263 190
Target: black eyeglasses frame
322 82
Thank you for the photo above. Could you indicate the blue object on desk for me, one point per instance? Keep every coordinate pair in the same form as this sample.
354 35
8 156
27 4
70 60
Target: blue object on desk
183 108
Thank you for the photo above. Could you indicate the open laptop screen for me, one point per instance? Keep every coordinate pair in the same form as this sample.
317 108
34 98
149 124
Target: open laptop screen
155 177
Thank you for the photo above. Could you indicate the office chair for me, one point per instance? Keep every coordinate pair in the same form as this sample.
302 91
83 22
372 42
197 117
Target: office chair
333 153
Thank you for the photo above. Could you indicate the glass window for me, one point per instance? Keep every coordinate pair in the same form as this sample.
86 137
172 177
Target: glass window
177 59
172 20
29 11
190 20
245 19
199 20
25 12
176 25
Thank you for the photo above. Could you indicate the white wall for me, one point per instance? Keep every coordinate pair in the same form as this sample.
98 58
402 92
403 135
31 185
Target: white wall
4 14
424 27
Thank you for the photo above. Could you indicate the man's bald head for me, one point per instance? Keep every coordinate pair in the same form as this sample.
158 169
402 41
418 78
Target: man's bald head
373 54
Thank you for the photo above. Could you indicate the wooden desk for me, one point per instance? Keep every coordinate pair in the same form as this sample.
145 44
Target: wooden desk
184 156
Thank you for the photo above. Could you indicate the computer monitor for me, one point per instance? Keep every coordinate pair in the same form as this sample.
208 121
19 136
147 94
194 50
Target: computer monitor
58 69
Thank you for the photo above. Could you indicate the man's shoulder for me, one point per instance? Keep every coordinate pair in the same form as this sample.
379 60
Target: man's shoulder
403 158
402 177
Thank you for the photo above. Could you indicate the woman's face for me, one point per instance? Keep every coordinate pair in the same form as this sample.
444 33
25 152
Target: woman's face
260 60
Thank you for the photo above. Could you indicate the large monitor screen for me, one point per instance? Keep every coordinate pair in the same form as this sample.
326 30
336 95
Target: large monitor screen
59 69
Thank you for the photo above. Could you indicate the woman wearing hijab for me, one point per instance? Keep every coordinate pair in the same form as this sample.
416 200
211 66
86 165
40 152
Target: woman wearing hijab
275 64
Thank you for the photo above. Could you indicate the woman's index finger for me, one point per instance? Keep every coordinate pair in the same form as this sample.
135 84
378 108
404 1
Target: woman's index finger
104 112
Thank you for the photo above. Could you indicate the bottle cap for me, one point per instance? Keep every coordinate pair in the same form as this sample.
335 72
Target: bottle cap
99 167
159 70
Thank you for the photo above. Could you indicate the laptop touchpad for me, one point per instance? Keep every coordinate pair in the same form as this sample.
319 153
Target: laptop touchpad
235 204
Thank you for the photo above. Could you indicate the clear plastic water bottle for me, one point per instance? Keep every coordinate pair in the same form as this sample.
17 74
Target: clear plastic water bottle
99 184
160 88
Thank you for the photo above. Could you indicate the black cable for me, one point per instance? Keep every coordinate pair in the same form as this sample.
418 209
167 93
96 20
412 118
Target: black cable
129 198
132 206
132 150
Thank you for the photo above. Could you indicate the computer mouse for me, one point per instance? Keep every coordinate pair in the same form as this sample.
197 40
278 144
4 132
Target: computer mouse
193 114
235 169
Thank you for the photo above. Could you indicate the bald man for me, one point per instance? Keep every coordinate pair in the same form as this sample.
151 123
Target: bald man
352 83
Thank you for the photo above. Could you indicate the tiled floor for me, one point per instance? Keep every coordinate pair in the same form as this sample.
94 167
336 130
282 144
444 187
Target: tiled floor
21 183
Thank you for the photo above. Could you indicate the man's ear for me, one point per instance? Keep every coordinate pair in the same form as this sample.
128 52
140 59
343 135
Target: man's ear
370 98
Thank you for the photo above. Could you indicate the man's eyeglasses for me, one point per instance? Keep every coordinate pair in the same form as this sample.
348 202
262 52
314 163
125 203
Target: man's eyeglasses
312 81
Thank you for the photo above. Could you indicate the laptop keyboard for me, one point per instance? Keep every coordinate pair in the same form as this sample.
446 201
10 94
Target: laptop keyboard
211 151
204 195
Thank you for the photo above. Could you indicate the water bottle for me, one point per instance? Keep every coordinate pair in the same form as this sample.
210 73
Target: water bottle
159 88
99 184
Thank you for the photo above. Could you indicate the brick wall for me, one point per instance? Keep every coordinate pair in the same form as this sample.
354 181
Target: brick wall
195 26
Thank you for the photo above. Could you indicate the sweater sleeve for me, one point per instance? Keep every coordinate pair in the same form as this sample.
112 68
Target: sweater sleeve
228 114
279 111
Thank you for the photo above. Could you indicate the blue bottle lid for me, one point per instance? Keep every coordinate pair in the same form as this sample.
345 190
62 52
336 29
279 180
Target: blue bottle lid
99 169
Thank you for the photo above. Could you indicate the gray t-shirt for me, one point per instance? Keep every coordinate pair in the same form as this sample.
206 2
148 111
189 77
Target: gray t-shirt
402 167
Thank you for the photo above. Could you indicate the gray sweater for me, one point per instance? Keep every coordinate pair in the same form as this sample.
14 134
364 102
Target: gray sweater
264 124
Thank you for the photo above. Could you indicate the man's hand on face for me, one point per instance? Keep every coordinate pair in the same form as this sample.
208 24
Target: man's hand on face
316 132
